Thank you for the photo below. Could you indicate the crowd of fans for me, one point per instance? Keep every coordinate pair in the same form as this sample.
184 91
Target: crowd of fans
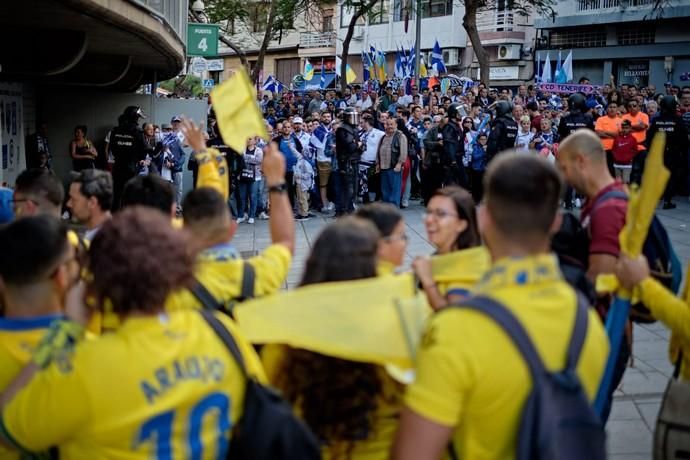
104 353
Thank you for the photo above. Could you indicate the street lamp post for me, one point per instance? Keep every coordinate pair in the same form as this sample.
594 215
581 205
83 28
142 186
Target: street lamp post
418 43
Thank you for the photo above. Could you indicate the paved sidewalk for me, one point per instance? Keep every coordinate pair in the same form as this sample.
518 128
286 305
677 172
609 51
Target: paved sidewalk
637 401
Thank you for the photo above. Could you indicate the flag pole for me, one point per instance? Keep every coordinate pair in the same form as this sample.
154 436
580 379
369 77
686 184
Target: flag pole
418 41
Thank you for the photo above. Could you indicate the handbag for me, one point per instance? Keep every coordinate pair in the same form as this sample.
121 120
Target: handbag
672 433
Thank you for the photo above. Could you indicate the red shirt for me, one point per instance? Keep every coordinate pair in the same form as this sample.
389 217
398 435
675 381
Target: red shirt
604 221
624 149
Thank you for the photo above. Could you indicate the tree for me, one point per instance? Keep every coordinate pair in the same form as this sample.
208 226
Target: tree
256 23
469 23
359 8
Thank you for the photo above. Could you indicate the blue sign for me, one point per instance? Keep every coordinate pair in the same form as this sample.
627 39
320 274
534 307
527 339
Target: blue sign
209 83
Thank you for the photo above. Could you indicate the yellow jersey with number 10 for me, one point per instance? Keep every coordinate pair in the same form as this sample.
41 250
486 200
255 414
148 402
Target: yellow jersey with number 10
159 387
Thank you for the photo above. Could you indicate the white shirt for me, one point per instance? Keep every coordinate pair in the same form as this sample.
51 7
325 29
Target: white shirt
522 140
405 100
364 104
371 140
303 138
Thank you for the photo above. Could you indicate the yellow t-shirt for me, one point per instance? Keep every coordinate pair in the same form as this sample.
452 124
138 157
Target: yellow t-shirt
674 312
470 375
377 446
160 386
18 338
222 276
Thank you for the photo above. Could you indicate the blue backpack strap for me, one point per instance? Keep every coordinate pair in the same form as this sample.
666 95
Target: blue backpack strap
509 323
577 339
610 195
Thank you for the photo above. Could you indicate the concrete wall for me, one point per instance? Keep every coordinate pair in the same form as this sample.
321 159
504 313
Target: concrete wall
65 109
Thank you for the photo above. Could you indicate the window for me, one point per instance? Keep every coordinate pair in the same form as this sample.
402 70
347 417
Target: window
327 21
437 8
635 34
585 37
346 16
258 16
379 13
403 9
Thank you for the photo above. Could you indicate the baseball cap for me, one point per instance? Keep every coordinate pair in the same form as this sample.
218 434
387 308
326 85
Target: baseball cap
297 120
166 126
176 118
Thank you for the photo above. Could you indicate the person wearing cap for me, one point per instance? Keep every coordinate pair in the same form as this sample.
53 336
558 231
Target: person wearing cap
386 100
126 142
302 136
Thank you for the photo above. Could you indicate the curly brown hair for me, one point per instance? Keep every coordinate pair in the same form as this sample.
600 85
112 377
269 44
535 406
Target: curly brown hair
137 259
337 398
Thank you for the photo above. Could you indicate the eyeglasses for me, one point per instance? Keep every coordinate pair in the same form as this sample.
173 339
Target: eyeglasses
391 238
438 213
17 203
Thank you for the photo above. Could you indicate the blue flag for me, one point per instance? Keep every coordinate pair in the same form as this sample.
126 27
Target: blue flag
437 59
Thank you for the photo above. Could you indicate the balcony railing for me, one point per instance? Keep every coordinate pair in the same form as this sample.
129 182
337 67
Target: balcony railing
499 22
317 39
591 5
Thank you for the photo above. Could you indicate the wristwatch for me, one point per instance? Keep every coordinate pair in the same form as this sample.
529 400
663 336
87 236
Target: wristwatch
280 188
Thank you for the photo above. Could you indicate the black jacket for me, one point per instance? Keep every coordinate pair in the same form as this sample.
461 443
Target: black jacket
573 122
452 144
128 148
346 145
676 138
502 136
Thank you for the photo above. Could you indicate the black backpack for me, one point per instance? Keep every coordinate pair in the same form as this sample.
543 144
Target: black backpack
558 422
663 261
268 429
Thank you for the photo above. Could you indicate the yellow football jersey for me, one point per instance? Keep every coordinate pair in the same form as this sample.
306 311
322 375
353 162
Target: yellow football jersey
470 375
222 276
162 387
18 339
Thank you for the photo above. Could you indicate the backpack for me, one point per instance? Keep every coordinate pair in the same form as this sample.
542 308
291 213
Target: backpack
268 429
558 421
663 262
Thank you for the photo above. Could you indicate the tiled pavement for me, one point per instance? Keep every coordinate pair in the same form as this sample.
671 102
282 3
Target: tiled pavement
637 401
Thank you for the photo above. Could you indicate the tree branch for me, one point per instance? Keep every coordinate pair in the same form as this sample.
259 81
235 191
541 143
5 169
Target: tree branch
224 39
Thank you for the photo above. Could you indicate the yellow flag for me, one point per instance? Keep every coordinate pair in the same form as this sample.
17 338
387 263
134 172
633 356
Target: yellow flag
237 111
350 74
642 202
466 266
377 320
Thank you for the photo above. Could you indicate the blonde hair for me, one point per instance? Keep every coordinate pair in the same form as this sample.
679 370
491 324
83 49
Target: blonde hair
525 118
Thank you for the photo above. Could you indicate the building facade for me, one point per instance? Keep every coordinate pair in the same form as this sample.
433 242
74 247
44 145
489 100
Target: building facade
630 40
507 37
310 36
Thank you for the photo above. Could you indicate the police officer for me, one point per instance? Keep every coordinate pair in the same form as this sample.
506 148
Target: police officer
347 153
128 148
577 118
503 130
453 144
676 151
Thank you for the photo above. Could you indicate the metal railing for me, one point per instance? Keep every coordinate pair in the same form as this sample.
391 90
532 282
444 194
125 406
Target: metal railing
317 39
496 21
172 13
590 5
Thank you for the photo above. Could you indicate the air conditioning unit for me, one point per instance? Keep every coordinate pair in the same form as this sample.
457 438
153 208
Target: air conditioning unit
358 33
451 56
509 52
